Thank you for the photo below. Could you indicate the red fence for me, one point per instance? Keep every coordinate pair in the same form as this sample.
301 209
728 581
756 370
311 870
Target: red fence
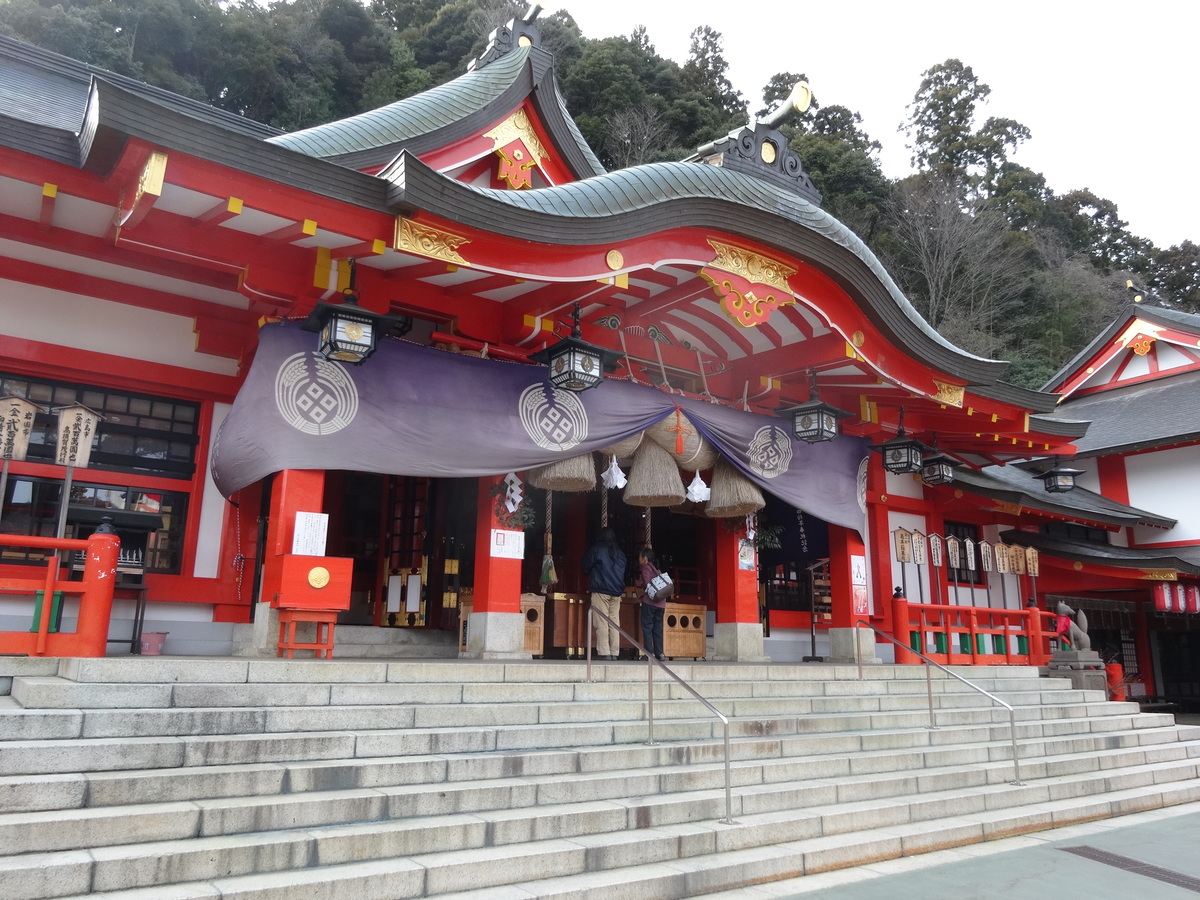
95 594
973 635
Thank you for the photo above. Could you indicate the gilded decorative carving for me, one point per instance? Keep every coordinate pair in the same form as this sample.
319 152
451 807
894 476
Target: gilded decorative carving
1142 345
150 184
1159 575
949 394
431 242
754 267
519 149
517 127
614 259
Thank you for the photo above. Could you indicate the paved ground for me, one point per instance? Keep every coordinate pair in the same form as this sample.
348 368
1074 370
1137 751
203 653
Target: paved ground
1146 856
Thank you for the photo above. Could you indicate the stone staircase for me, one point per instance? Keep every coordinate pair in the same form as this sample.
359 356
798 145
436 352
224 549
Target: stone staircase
176 778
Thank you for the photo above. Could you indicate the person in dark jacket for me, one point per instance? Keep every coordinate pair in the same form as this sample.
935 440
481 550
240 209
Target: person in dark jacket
604 565
652 610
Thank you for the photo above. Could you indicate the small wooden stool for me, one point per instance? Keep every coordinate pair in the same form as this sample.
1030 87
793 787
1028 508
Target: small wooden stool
326 620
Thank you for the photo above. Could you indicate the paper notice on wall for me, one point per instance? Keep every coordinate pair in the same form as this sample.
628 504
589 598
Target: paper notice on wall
395 587
508 544
309 536
412 594
858 569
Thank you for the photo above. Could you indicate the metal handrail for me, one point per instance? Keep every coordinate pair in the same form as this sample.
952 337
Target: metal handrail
1012 718
651 662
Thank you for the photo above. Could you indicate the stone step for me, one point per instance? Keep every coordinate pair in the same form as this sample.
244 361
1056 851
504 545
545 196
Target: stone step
171 670
565 851
21 793
62 692
280 801
60 756
475 729
162 778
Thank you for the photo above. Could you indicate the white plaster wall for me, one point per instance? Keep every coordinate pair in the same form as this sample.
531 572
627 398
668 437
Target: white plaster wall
87 323
909 485
212 510
1164 483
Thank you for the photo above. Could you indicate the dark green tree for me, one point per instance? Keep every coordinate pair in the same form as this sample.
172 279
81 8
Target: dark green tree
943 136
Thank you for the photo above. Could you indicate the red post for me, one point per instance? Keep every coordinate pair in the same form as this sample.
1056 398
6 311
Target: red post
849 607
737 587
1037 637
497 577
902 631
95 605
292 491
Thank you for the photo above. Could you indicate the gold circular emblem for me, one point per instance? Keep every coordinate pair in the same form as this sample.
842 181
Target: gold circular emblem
768 152
858 339
318 576
614 259
354 331
524 41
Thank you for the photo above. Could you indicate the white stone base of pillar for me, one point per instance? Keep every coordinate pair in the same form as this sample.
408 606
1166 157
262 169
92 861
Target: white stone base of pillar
496 636
841 646
263 631
739 642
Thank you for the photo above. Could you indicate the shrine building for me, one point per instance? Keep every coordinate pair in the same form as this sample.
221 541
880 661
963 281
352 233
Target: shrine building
405 365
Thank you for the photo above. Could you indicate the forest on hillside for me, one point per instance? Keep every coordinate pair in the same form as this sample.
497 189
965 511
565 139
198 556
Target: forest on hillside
996 259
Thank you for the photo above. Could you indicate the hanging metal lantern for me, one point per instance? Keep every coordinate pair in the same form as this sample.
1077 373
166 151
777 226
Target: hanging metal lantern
575 365
346 331
902 454
815 421
938 468
1060 479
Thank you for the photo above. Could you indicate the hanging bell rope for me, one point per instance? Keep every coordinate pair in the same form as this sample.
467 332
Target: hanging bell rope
549 575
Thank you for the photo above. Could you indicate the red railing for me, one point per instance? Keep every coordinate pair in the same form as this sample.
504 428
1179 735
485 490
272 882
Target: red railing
973 635
95 593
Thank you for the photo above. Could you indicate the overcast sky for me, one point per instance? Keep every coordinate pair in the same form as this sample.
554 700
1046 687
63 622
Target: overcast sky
1108 90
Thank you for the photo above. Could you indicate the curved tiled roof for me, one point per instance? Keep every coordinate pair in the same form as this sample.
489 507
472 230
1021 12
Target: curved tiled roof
1105 554
645 199
1014 484
450 110
439 107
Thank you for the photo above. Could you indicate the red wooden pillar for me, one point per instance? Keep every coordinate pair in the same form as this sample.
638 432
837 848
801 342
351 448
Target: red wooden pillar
496 628
738 633
737 587
497 577
95 606
849 606
293 491
849 597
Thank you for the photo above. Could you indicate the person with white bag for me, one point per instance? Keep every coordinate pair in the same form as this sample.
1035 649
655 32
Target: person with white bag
656 590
